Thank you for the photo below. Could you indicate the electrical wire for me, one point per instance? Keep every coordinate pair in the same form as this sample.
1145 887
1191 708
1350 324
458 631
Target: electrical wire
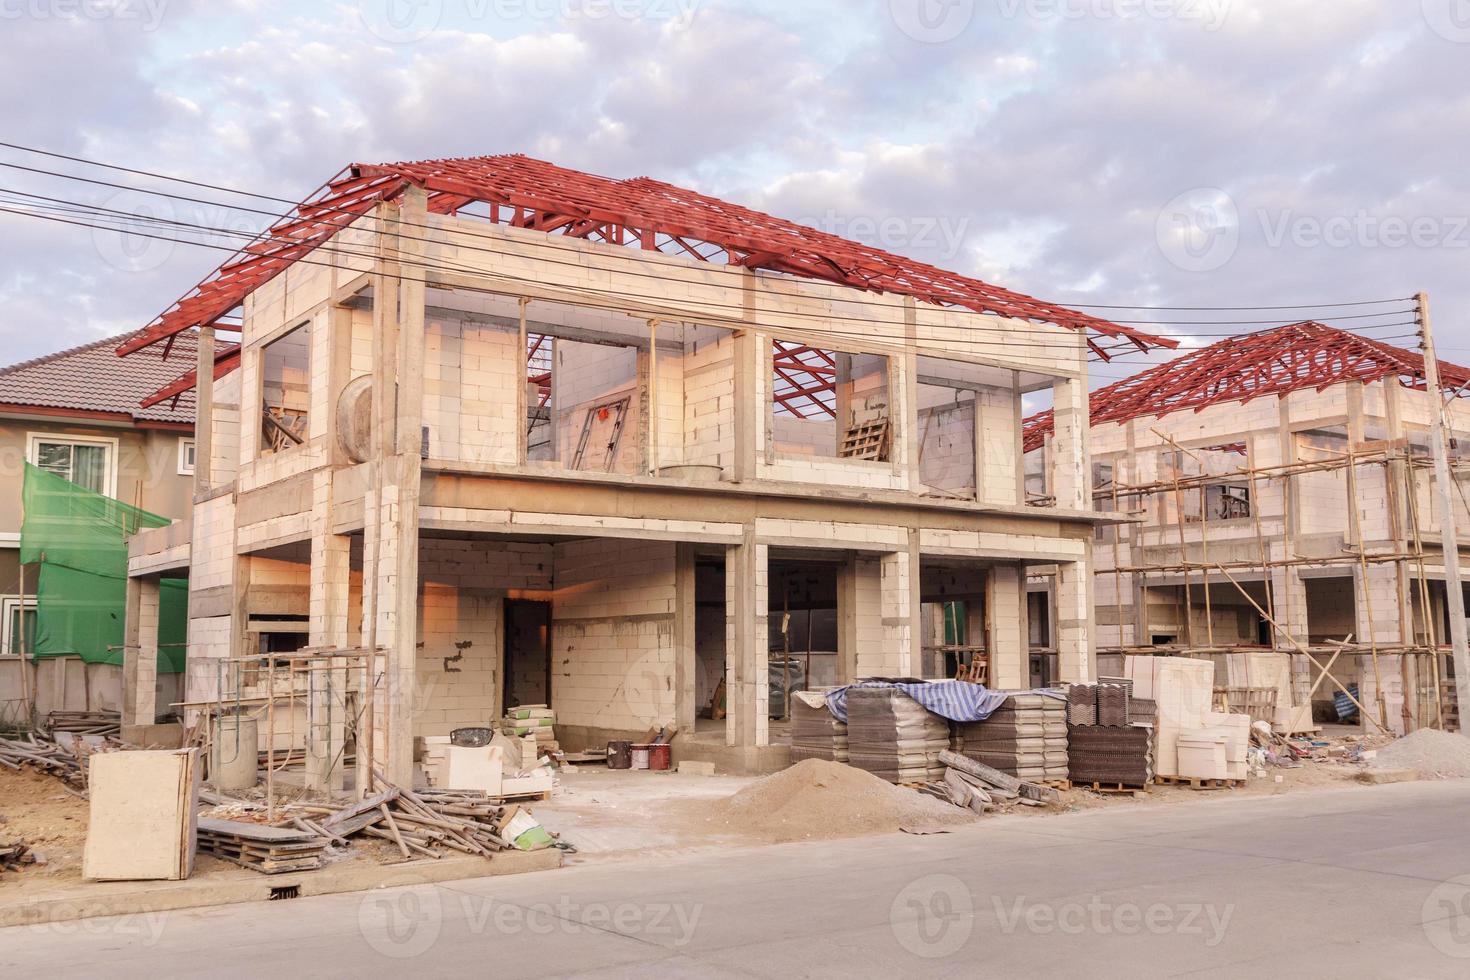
634 257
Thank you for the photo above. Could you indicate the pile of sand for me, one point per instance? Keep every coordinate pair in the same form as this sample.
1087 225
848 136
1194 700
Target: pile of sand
816 799
1430 751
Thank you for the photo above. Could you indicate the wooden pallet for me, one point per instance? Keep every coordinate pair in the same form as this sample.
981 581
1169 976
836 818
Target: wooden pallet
866 440
1195 782
544 796
1114 788
269 850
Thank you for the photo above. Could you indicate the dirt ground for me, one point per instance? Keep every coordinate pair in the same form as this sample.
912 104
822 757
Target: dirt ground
607 815
36 808
623 815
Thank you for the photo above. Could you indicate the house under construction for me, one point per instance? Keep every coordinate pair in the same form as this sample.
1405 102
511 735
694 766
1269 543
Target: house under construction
1287 502
498 432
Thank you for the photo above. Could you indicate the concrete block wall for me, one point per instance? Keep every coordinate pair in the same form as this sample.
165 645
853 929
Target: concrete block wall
1009 663
463 585
947 450
471 371
708 376
224 444
613 633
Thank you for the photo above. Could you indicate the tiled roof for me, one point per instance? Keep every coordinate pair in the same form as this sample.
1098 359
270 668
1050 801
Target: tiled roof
91 378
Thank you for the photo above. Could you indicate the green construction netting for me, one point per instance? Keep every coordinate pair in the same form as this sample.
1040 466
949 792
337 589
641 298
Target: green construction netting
79 538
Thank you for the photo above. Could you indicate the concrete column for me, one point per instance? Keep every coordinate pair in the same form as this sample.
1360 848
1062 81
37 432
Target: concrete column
747 643
1074 623
391 520
897 598
847 622
132 705
326 706
140 653
204 410
868 634
686 666
1005 598
1071 472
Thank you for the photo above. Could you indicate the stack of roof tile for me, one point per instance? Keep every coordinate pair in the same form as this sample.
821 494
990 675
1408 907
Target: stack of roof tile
1112 754
1081 705
815 731
1026 737
1112 704
892 736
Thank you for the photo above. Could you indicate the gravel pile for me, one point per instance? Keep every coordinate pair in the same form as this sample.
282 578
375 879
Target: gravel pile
817 799
1430 751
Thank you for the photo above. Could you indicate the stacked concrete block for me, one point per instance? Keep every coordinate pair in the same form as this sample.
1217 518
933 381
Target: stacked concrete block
613 633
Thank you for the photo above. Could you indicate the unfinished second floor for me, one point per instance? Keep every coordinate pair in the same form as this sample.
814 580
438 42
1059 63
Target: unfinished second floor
499 351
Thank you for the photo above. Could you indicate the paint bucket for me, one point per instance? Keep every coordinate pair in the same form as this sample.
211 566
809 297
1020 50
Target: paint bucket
640 756
660 756
620 755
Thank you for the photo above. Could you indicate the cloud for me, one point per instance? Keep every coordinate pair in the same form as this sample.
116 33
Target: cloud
1036 148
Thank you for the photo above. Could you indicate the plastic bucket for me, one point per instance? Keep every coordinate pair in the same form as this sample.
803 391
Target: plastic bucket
659 757
640 756
620 755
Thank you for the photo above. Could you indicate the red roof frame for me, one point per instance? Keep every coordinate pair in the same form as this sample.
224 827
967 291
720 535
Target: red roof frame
649 214
1272 362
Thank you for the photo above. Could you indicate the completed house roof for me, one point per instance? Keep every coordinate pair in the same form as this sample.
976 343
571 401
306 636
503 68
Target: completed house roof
1272 362
642 212
89 381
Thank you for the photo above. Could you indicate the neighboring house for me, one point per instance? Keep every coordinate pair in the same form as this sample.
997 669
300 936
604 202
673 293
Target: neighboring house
1281 477
599 451
76 414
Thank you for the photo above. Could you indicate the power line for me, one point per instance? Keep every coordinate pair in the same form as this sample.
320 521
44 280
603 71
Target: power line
265 236
551 245
76 207
1005 344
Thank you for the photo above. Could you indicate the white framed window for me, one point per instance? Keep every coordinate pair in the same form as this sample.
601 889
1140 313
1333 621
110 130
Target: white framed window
10 610
87 461
186 457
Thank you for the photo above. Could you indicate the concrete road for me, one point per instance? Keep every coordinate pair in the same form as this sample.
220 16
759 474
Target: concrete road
1341 883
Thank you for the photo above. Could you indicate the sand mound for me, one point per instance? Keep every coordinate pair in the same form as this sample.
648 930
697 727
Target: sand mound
816 799
1430 751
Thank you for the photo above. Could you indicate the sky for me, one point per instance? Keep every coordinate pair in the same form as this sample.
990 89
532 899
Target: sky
1133 153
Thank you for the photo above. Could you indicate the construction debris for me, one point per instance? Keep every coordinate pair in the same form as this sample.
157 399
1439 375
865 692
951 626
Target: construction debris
977 786
107 724
65 760
536 720
17 853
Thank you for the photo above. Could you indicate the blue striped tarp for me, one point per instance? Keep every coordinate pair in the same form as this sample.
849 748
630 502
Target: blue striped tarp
955 700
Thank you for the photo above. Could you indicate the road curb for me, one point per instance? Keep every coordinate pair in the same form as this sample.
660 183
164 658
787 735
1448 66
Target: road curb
113 898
